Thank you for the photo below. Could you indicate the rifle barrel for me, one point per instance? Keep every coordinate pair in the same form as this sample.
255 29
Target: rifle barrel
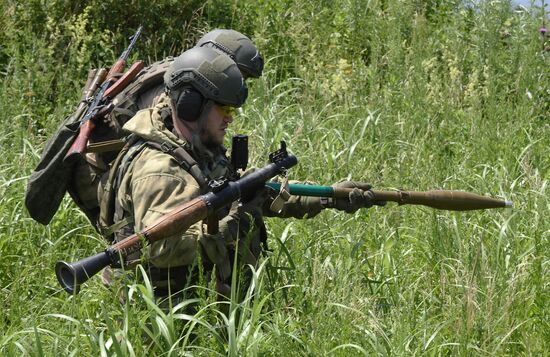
133 41
120 64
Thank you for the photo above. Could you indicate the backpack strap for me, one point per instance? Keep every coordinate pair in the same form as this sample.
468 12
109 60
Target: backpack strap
111 218
107 212
106 146
184 159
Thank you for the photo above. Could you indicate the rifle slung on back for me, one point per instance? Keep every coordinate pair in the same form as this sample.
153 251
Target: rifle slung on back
110 85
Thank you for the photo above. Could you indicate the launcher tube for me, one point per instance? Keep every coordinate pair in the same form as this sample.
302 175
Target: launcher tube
71 276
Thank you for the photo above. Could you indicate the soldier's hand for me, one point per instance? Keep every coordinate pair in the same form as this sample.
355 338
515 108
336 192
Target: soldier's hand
254 204
215 247
360 196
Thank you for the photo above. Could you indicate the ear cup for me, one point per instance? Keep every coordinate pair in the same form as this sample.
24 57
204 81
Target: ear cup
189 105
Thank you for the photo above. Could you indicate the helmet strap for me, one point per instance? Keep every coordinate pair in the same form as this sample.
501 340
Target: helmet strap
206 108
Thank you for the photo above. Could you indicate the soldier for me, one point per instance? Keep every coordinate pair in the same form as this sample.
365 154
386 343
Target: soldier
178 148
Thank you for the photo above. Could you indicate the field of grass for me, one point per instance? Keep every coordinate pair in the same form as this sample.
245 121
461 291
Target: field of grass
417 95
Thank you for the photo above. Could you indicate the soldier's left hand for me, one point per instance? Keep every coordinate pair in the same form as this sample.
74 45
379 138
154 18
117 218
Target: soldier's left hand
360 196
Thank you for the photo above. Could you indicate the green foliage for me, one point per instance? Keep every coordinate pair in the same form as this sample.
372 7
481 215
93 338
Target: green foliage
419 95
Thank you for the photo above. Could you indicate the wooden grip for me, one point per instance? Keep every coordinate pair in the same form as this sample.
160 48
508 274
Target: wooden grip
79 145
175 222
117 68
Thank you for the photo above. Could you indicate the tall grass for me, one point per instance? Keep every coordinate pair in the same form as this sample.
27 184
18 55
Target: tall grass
416 95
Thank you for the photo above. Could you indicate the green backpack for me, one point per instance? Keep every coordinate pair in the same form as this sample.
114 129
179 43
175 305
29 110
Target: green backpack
51 179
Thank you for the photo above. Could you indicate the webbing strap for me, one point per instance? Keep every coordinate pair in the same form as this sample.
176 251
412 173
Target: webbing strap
183 159
110 212
117 226
106 146
123 111
107 200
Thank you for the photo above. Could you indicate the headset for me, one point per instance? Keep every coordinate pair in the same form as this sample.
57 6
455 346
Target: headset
189 103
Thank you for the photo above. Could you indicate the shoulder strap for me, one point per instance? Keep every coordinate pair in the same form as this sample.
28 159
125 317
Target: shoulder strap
183 159
110 219
107 204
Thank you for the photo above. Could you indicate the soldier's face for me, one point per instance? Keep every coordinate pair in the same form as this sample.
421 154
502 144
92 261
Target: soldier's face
217 121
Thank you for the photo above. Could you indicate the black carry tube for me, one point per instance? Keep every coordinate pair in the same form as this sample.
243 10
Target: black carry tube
251 182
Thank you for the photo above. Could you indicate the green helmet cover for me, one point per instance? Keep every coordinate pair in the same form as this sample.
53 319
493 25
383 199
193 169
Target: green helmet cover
212 73
237 46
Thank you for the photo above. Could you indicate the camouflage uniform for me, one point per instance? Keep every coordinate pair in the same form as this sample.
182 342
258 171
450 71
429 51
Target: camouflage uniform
153 184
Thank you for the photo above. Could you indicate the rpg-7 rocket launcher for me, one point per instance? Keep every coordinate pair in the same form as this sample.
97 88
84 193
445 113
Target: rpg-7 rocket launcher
71 276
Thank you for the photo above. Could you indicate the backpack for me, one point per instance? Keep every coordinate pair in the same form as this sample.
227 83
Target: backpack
51 178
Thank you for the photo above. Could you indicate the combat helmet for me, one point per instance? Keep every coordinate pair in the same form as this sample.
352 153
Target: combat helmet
213 74
237 46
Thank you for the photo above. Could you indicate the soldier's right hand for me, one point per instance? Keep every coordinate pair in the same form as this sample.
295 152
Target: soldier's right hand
255 204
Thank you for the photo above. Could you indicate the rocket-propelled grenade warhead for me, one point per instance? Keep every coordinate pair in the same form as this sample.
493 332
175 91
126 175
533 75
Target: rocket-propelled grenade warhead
442 199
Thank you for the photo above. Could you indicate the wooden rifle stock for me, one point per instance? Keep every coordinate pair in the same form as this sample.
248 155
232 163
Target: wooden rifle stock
79 145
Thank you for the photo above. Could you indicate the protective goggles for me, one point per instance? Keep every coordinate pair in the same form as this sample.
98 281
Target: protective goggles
227 110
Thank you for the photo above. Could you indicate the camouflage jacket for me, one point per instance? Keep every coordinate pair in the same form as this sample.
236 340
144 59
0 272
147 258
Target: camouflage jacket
153 184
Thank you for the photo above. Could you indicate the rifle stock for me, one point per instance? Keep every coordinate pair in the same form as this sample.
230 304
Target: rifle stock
71 276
